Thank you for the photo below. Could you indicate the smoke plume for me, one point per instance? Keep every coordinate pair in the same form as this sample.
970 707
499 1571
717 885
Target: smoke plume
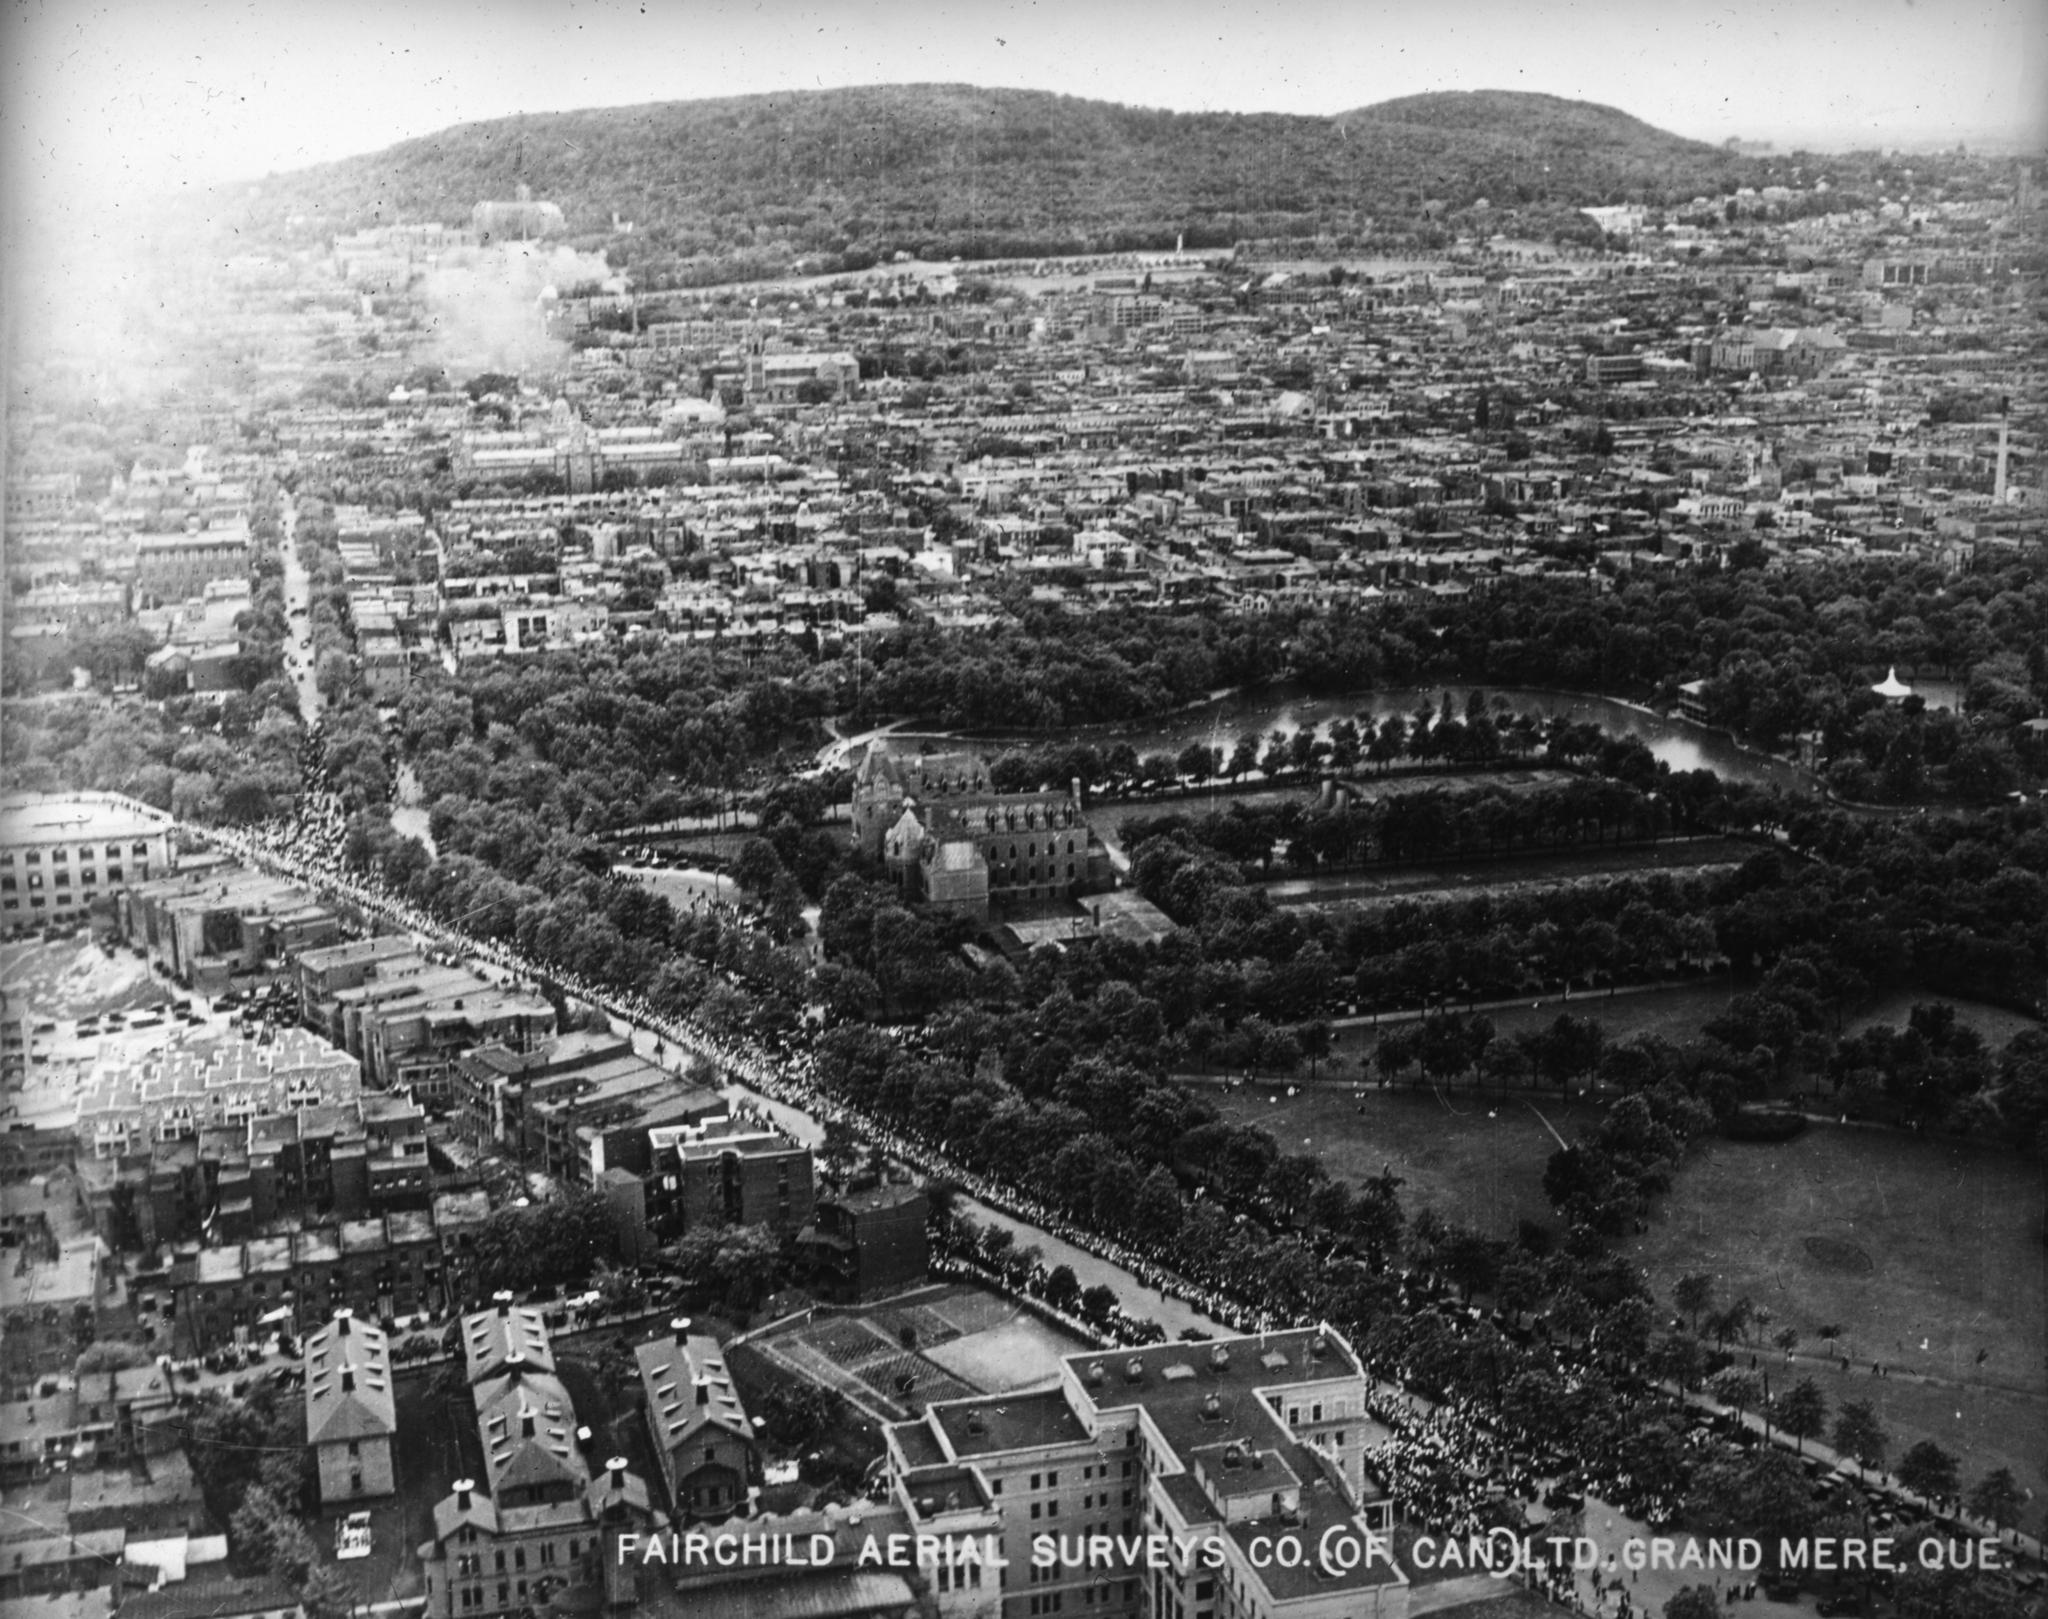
486 306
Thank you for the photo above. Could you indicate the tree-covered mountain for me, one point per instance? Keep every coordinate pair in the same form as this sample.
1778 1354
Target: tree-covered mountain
961 170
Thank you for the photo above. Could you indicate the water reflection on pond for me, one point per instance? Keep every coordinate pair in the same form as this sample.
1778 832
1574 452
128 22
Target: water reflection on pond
1679 743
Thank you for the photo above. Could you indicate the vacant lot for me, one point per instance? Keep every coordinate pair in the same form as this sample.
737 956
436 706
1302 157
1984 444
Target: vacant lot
1021 1352
1926 1255
75 978
1478 1161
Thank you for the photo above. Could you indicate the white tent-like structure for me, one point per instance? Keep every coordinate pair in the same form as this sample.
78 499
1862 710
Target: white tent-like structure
1892 689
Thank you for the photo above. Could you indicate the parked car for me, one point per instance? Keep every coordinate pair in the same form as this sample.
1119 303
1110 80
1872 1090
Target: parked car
352 1537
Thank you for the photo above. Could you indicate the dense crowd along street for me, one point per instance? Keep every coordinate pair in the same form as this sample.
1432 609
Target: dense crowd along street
874 816
1461 1467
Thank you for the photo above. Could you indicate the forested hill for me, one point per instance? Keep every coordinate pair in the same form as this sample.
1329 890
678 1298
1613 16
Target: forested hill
991 172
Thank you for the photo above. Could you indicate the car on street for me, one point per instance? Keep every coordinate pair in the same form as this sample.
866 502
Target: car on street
352 1537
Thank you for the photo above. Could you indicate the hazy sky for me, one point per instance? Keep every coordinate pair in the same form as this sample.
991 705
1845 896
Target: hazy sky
139 94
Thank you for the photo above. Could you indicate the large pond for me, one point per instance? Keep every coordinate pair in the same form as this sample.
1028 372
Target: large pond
1679 743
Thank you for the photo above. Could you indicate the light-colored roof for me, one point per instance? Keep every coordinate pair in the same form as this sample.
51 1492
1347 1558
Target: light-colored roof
30 819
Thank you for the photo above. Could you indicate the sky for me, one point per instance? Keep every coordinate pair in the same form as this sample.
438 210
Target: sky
112 98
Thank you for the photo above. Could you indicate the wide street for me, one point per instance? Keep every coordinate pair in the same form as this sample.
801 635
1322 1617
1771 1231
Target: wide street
298 597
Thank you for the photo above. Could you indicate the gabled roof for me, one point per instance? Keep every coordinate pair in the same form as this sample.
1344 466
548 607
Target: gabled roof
449 1515
492 1339
675 1376
514 1458
348 1384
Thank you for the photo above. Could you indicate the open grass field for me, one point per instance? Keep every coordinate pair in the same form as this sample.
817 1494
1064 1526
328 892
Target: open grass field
1925 1254
683 888
1507 875
1983 1427
1365 785
1676 1014
1994 1023
1478 1161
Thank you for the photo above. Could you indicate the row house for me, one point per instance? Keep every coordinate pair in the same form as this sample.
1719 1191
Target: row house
206 928
723 1172
105 1419
385 1268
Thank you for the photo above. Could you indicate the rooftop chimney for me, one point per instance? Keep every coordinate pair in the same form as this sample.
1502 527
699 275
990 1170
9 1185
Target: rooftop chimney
681 1326
504 1303
463 1489
703 1387
526 1422
348 1380
342 1317
616 1467
1134 1370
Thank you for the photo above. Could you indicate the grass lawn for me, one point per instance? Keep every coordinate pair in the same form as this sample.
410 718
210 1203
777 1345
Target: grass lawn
1506 875
1994 1023
1676 1014
682 888
1475 1160
1984 1427
1922 1253
1109 815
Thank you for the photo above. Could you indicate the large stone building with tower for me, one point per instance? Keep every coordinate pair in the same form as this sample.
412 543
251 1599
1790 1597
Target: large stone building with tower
953 841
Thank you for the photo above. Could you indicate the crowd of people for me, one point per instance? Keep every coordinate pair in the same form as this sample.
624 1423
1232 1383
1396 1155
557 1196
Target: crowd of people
1449 1463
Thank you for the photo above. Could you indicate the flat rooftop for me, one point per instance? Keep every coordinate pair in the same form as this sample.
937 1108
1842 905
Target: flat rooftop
1010 1422
28 819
